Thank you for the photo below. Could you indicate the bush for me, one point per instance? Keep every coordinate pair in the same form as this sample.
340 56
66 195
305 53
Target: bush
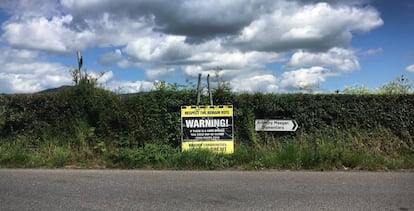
144 129
59 157
128 158
150 155
201 159
289 156
15 154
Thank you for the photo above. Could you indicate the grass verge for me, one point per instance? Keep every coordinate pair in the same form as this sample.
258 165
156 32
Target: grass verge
292 156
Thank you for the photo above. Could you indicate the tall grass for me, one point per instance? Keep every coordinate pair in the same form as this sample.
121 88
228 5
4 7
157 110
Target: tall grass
327 152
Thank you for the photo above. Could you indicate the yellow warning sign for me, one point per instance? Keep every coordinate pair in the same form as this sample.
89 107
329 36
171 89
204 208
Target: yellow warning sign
207 127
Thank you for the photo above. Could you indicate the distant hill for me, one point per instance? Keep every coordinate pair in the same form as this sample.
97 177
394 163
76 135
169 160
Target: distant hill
58 89
54 90
135 94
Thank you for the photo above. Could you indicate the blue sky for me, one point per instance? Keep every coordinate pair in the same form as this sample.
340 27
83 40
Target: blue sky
274 46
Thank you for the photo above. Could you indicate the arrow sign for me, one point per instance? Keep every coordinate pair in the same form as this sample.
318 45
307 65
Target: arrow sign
275 125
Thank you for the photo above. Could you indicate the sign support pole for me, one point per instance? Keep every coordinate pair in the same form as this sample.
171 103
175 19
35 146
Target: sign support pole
198 88
209 90
80 63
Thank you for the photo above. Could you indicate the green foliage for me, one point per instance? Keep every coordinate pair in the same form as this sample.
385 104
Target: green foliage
16 153
83 78
357 90
16 156
323 155
150 155
199 159
127 158
84 115
134 131
290 156
400 85
100 147
57 156
158 156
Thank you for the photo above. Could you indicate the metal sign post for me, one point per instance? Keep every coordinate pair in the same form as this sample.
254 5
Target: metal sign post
210 95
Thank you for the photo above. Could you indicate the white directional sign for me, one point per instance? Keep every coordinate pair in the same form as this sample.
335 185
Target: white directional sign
275 125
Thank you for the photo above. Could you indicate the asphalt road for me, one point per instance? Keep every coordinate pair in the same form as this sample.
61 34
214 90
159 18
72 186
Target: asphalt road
204 190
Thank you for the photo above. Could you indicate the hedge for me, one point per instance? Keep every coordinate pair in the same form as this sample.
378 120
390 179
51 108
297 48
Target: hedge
84 114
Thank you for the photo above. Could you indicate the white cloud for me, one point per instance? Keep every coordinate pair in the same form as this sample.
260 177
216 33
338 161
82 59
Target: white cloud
253 82
250 25
102 77
30 8
194 19
336 58
304 78
164 37
371 52
153 74
231 64
292 26
8 54
123 87
40 34
55 35
20 73
238 60
111 58
161 49
162 55
193 71
410 68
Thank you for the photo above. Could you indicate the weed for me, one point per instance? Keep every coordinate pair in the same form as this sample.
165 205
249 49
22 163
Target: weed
59 157
16 156
127 158
289 156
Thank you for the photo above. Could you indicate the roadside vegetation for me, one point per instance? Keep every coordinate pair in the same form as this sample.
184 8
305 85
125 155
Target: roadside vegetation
291 156
87 127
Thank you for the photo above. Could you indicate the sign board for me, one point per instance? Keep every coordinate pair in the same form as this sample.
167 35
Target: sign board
207 127
275 125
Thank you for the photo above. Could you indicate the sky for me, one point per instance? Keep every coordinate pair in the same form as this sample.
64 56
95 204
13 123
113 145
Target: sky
270 46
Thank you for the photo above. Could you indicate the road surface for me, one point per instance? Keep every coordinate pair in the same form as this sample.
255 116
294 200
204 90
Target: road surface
204 190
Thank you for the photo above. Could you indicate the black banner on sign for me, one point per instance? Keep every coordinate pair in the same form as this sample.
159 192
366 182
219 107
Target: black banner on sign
211 128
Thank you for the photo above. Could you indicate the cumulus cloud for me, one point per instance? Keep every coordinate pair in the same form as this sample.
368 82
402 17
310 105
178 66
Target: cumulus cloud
21 73
410 68
253 82
163 49
304 78
294 27
163 54
251 25
166 38
47 35
371 52
123 87
231 64
153 74
110 58
335 58
196 20
30 8
103 77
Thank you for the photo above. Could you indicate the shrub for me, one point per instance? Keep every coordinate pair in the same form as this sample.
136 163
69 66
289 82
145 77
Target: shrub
127 158
202 159
58 157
